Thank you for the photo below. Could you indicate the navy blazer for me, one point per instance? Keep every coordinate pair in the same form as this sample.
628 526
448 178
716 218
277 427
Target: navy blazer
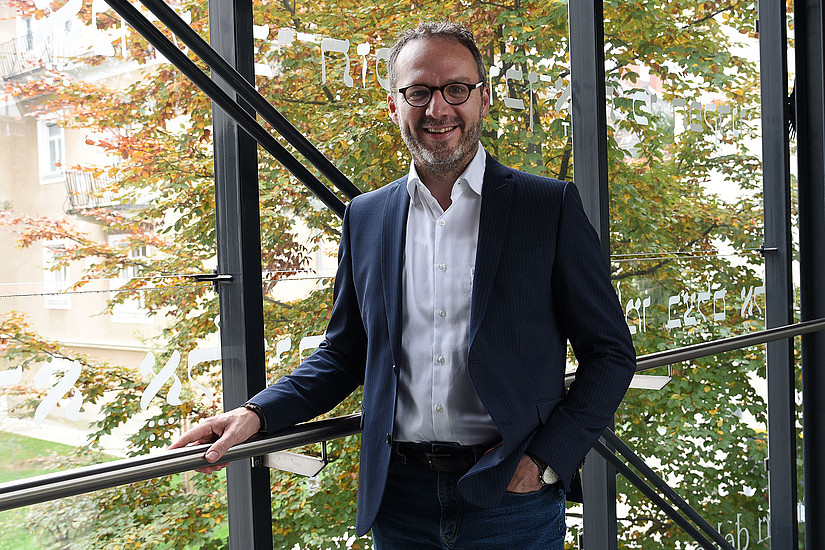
540 280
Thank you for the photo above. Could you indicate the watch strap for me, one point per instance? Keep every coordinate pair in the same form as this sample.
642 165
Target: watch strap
547 475
259 412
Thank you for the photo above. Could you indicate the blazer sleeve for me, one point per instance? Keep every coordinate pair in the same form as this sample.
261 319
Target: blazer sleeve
589 313
336 368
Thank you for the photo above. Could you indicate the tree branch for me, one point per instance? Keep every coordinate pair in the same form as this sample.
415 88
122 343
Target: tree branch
665 261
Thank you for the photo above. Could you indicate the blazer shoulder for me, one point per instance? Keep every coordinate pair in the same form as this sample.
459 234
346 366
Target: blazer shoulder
538 184
372 199
372 202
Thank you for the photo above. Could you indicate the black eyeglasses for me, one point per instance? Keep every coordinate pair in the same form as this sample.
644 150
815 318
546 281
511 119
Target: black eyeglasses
454 93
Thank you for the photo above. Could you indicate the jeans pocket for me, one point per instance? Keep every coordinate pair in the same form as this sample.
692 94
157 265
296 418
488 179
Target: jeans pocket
529 493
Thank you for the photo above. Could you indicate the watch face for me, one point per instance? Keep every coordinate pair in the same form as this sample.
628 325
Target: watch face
548 476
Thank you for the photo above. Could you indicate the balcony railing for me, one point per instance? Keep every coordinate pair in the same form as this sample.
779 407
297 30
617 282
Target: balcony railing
85 190
23 55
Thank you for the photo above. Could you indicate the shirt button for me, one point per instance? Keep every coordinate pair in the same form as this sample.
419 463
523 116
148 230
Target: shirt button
441 359
439 408
442 313
442 223
442 267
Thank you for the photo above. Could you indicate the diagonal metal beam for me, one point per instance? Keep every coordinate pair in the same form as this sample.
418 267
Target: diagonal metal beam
650 493
246 121
247 91
636 461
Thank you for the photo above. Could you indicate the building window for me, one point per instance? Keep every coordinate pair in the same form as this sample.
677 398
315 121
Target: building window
132 309
55 279
51 151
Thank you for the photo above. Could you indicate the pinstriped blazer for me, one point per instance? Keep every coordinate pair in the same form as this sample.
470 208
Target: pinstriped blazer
540 280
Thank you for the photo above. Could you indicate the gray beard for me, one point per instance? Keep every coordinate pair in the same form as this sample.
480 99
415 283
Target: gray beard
443 160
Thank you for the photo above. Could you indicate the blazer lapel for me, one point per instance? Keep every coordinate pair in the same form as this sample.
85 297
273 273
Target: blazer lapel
392 258
496 199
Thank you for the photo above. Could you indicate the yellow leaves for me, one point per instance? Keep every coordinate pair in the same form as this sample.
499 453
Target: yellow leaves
707 389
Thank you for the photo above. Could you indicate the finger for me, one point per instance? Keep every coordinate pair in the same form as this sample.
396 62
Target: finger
202 433
212 469
219 447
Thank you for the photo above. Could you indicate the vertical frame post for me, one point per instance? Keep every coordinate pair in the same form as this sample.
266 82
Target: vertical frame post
590 174
778 275
239 254
809 28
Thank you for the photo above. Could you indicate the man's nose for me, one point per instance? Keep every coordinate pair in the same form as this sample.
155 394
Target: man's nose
438 106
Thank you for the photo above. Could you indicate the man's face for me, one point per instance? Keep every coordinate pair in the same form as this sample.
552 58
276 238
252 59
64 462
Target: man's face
442 138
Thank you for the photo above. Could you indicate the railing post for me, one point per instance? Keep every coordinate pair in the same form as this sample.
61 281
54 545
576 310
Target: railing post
239 254
589 117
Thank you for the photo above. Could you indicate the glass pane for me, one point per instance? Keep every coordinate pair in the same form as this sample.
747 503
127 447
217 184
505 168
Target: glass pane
326 71
682 89
107 347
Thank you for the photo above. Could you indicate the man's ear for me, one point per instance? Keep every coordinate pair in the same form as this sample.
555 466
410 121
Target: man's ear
485 99
392 106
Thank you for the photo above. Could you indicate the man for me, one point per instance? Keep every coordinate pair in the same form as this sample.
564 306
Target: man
458 287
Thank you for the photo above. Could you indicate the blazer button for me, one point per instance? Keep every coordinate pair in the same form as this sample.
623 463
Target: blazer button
395 369
389 439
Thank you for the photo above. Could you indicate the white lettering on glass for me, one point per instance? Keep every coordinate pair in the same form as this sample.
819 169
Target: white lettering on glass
58 390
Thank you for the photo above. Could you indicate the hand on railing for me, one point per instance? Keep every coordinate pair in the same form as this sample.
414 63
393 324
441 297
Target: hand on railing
225 430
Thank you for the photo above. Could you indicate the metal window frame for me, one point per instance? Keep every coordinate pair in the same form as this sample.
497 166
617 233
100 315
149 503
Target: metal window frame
778 254
239 252
589 123
809 29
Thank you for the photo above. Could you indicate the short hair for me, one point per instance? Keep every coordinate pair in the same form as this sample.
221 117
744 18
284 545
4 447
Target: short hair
430 29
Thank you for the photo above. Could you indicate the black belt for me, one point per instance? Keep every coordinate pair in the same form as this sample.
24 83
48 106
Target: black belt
442 457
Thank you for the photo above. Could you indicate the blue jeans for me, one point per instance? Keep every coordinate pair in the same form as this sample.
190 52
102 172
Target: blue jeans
422 509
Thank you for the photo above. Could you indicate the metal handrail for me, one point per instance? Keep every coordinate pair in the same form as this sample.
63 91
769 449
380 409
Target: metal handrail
37 489
704 349
121 472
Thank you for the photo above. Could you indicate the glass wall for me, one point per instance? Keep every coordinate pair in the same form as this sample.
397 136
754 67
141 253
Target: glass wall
107 347
682 89
106 205
324 66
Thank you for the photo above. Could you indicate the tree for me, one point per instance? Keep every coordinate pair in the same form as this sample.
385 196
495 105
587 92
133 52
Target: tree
669 220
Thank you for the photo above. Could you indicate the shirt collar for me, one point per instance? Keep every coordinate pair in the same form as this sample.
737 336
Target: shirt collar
473 175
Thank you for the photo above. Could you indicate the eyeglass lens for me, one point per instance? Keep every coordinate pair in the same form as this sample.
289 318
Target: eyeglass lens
454 94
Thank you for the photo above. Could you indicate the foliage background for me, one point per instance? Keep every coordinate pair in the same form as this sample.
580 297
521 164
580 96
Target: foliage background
671 223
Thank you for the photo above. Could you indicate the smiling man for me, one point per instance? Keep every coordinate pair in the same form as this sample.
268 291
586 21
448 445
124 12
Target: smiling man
458 288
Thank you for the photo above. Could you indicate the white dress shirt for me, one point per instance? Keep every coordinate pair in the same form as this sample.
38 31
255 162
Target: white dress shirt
436 398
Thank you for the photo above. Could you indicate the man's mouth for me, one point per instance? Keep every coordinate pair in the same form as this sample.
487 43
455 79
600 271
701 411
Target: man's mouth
439 130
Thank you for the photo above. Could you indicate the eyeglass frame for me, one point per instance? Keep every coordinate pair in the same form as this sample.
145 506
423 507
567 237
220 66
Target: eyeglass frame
434 89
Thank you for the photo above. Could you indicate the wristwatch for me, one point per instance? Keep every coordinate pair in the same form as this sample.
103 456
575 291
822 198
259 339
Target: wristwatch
547 475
